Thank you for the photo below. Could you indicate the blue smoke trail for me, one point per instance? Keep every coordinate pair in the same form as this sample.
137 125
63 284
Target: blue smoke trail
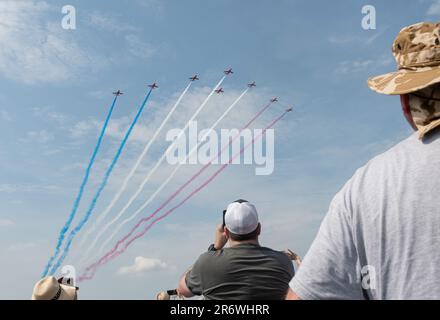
100 189
80 193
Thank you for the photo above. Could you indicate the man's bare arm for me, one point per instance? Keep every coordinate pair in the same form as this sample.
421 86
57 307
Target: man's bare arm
291 295
182 288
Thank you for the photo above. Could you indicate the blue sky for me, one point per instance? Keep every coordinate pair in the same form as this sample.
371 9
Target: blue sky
55 88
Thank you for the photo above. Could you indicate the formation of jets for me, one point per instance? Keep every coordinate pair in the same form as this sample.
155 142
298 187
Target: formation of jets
218 91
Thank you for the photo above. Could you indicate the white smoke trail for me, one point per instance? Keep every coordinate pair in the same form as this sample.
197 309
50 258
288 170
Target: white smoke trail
152 171
163 185
124 185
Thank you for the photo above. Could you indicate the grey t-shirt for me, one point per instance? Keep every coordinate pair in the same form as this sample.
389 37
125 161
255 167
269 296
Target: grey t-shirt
242 272
381 236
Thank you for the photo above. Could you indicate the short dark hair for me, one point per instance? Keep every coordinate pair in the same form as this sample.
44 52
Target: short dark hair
244 237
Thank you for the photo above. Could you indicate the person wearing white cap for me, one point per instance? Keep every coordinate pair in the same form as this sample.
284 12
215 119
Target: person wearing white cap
244 270
50 288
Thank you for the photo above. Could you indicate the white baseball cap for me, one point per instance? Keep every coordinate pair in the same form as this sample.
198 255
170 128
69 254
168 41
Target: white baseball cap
241 217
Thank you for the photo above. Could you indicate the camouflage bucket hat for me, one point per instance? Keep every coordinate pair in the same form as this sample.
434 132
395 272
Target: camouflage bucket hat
417 53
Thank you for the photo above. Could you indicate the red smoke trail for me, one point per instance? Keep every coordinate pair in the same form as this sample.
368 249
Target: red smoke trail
112 254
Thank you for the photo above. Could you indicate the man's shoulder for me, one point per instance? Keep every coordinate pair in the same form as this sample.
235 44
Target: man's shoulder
393 156
365 179
232 251
276 254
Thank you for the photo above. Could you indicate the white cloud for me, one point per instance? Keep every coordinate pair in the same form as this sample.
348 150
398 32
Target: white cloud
42 136
350 39
142 264
5 116
152 5
6 223
108 23
12 188
47 114
139 48
22 247
37 50
434 8
341 39
82 128
100 94
355 66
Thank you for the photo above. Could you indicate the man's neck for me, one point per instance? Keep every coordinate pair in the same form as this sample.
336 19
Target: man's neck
233 243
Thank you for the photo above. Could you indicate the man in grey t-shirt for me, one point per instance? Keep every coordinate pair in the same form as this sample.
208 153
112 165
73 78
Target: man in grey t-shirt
245 270
381 235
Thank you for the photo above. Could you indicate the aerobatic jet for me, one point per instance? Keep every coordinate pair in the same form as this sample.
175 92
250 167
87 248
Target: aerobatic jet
194 78
153 86
219 90
250 85
274 100
228 72
289 109
118 93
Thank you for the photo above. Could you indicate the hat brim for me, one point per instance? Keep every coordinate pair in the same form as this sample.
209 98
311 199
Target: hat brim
67 293
404 81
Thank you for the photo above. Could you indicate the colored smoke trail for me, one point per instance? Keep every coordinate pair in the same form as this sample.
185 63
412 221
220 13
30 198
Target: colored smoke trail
182 187
162 158
101 187
112 254
127 179
163 185
81 191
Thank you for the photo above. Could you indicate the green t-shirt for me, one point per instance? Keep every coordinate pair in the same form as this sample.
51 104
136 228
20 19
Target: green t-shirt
243 272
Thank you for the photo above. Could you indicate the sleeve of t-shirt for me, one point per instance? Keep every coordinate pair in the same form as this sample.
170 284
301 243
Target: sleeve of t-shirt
194 277
329 269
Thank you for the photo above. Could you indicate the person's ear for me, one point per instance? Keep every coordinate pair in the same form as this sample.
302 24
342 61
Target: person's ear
404 101
227 233
259 229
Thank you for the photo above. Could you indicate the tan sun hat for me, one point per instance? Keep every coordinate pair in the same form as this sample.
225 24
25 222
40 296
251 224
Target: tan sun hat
417 53
49 289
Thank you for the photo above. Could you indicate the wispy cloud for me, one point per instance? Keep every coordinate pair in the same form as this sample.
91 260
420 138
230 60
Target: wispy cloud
355 66
41 136
6 223
434 8
36 49
349 39
83 127
13 188
156 6
142 264
5 115
49 115
109 23
138 47
21 247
